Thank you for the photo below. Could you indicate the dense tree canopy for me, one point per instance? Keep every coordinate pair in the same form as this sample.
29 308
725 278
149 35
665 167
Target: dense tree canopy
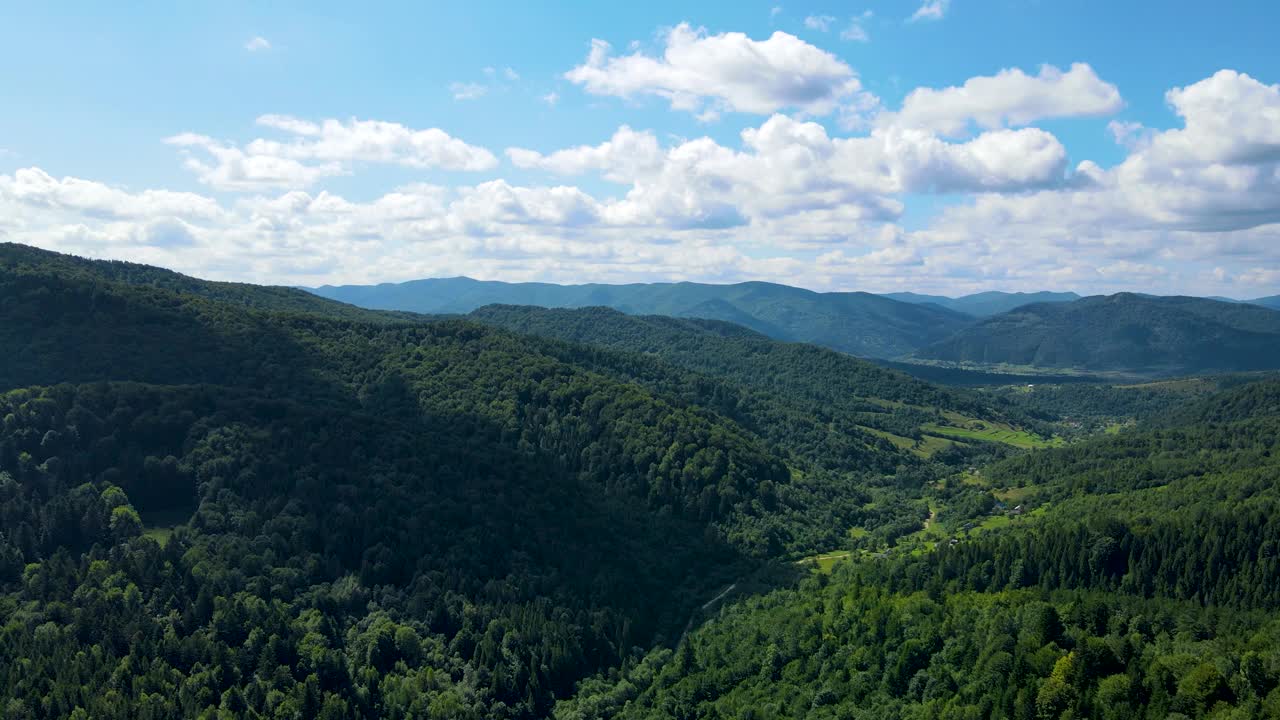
1146 588
227 501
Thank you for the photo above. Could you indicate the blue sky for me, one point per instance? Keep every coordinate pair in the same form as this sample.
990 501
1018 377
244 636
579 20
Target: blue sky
131 132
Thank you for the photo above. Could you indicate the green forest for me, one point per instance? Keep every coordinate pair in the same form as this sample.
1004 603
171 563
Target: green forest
233 501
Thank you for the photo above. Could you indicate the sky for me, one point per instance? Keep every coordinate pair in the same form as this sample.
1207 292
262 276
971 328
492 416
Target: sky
938 146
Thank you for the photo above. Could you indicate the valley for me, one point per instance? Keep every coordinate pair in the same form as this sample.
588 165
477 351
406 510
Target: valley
533 512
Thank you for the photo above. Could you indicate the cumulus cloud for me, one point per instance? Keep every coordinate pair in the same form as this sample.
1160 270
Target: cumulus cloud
931 10
1183 202
1229 118
327 148
1219 172
1195 208
257 43
234 169
36 188
797 162
622 158
1009 98
1130 135
707 74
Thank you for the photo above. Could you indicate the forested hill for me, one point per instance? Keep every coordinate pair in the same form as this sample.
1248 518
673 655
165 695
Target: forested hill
285 514
834 410
251 502
1138 578
985 304
26 261
1124 333
853 322
819 377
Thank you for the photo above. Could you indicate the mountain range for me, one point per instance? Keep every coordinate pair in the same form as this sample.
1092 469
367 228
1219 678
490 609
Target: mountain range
985 304
1125 332
854 322
1129 333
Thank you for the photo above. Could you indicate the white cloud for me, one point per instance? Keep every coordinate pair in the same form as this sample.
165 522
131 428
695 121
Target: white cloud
1130 135
319 150
1009 98
257 43
495 81
1191 209
624 157
931 10
1229 117
702 73
234 169
551 98
821 23
857 31
1183 204
34 188
787 167
468 91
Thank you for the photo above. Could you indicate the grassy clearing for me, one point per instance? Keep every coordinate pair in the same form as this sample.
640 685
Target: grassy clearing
903 443
930 445
995 522
958 427
159 534
1013 495
159 525
926 447
991 432
826 562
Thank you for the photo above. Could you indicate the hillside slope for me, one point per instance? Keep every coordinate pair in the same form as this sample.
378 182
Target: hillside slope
308 515
1124 333
1142 583
835 402
17 259
856 323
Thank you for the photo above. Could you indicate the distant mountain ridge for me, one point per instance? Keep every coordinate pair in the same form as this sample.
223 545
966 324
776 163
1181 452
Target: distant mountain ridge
1125 332
985 304
854 322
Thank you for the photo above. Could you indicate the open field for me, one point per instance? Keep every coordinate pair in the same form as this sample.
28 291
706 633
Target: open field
926 447
992 433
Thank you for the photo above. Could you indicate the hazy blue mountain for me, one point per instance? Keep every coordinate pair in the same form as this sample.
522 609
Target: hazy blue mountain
1124 332
1272 302
984 304
853 322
